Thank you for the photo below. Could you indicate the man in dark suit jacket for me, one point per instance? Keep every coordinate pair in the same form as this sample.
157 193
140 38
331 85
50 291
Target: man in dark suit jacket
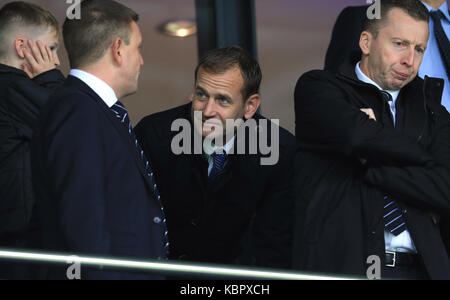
345 43
374 158
228 209
27 78
96 190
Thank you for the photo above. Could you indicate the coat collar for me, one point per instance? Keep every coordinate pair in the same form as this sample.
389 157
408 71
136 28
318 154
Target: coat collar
9 69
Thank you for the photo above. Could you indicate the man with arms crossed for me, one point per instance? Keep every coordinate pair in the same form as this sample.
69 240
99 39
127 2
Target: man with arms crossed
374 157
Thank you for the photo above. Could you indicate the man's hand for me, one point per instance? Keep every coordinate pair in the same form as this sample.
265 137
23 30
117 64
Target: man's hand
39 59
369 112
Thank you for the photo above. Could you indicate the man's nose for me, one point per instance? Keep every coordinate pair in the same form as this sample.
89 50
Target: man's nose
408 58
210 108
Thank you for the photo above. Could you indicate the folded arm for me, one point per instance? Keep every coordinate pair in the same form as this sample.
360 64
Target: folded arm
327 121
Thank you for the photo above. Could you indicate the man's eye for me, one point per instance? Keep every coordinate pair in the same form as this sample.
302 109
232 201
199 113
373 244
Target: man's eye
201 95
224 101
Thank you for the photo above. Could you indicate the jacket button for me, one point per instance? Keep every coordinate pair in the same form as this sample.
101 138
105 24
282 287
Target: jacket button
157 220
405 211
433 218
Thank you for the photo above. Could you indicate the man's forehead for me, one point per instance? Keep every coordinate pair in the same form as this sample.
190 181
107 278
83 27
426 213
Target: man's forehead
402 26
228 79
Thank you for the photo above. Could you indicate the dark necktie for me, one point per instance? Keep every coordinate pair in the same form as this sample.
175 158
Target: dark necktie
441 38
399 112
218 164
394 221
122 115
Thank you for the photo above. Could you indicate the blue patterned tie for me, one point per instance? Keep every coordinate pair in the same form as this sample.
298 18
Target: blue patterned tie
218 164
442 39
394 221
122 115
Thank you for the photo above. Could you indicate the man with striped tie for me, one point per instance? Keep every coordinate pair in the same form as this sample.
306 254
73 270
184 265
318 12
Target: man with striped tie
97 193
374 157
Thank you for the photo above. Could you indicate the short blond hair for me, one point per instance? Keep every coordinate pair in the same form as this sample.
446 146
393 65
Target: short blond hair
15 16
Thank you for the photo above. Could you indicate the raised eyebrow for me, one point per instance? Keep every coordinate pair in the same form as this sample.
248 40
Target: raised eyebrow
397 39
409 43
200 89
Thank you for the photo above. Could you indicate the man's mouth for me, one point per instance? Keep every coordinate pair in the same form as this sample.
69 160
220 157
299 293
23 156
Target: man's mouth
401 76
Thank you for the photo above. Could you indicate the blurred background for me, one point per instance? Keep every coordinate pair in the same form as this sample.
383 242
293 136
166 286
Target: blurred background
292 37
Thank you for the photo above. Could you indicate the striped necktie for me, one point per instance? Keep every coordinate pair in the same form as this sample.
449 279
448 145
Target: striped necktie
122 115
218 164
441 38
394 221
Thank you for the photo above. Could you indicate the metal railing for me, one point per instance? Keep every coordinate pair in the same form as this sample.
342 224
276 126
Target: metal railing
161 267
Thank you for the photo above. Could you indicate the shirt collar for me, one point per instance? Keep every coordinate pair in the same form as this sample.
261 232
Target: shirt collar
361 76
101 88
210 148
443 8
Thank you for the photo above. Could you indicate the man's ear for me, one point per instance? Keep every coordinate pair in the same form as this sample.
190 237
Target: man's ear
365 41
20 43
191 96
251 106
117 50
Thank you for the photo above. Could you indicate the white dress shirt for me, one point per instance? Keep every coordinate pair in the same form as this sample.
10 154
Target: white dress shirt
101 88
403 242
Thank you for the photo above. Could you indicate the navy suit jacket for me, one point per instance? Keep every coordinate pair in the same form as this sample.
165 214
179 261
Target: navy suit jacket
93 193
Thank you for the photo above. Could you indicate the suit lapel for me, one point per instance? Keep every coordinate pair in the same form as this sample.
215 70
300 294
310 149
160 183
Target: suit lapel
125 136
414 111
199 170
